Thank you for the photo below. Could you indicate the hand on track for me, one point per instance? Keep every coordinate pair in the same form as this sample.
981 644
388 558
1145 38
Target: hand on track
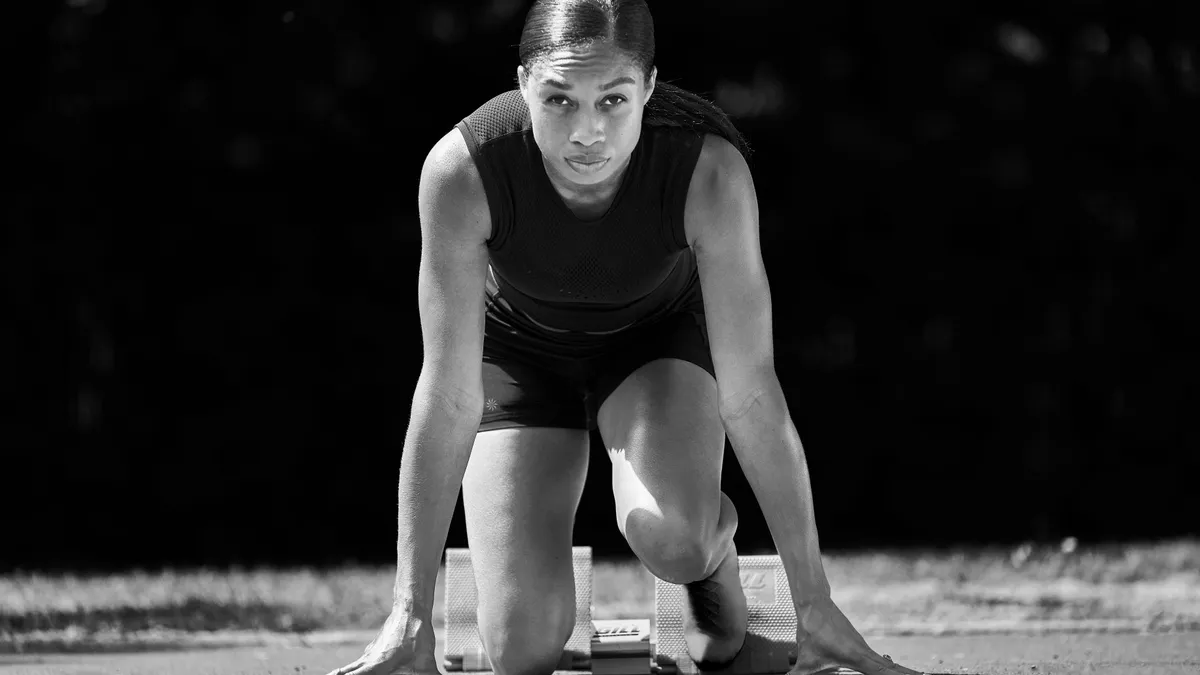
395 652
828 644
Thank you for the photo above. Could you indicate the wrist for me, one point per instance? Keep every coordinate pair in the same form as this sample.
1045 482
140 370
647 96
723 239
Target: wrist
408 622
412 602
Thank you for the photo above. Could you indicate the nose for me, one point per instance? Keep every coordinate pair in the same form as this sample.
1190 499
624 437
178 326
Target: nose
588 129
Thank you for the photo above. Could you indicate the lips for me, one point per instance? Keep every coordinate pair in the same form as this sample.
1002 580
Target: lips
587 159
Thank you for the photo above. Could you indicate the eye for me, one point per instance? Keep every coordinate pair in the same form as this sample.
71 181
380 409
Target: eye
557 100
616 99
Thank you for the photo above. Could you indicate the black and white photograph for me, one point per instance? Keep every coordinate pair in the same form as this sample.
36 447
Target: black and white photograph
609 337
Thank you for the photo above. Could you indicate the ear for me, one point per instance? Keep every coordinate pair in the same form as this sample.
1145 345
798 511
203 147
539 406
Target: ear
653 81
522 78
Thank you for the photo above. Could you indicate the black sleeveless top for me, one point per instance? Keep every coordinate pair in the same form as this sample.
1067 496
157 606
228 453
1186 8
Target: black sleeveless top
568 279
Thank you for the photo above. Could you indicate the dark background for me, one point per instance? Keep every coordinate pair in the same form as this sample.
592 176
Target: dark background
978 223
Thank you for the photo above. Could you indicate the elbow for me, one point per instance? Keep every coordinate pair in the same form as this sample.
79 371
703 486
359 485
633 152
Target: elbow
458 395
749 393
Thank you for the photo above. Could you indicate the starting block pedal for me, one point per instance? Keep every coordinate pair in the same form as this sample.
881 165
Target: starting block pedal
770 646
622 647
464 649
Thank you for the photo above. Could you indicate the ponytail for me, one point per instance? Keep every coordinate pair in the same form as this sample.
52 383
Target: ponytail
672 106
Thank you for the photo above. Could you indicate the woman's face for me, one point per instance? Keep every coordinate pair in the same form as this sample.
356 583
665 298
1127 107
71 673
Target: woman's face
585 105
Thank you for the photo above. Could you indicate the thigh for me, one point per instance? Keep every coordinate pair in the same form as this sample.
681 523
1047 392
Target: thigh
682 336
665 438
520 493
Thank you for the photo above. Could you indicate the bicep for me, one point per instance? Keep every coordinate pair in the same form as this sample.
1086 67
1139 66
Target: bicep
450 288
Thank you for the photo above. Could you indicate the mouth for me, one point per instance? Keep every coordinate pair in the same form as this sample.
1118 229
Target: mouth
587 164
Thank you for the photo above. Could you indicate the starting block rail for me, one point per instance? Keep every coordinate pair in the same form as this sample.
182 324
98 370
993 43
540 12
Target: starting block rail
624 646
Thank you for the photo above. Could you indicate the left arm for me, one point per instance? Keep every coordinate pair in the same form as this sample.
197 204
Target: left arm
722 227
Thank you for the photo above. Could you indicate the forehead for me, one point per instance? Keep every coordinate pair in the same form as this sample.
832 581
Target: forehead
580 65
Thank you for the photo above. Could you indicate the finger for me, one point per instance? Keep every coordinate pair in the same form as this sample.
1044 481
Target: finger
345 670
889 667
901 670
871 663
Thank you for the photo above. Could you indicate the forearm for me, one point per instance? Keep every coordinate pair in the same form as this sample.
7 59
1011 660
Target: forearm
436 449
768 448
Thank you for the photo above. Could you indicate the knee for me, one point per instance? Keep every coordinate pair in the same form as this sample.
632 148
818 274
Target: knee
525 659
674 548
528 640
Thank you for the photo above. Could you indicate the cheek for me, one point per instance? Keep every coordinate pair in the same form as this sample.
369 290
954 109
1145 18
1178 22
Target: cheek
548 129
625 131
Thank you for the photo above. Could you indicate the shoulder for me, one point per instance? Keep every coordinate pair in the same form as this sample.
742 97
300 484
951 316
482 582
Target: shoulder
721 189
720 159
451 191
500 116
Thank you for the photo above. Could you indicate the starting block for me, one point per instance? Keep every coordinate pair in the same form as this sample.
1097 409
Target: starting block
770 646
464 649
621 647
624 646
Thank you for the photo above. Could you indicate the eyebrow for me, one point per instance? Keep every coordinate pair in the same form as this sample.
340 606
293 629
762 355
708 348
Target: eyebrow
624 79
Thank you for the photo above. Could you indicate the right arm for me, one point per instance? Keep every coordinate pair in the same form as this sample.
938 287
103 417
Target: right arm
448 401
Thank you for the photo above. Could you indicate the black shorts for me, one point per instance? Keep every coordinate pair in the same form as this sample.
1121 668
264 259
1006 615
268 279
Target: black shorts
529 382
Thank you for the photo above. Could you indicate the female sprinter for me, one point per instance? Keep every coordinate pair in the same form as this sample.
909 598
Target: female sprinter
590 259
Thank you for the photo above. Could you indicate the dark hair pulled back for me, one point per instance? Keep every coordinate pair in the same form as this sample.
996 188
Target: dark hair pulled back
627 24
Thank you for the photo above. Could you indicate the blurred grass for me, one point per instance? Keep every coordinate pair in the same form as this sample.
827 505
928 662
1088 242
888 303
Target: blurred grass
1157 583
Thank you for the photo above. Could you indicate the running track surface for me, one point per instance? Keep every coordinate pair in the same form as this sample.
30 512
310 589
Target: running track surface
1162 654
